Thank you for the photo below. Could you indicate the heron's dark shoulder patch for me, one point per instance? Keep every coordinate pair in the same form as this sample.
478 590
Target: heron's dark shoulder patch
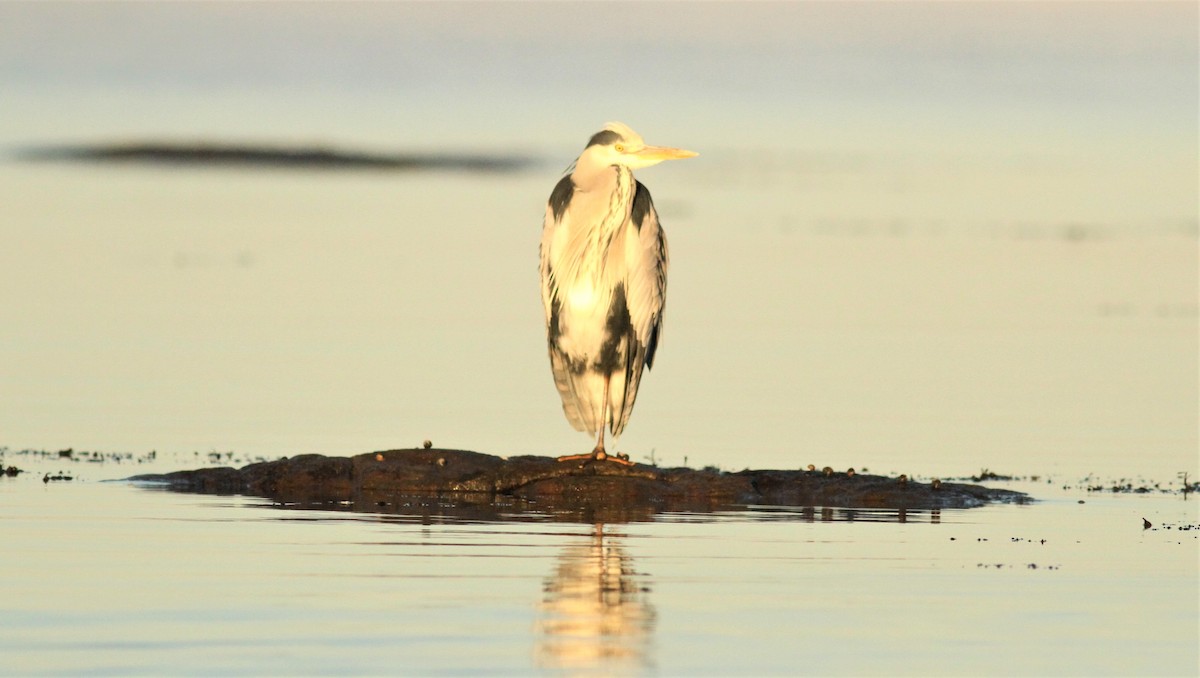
642 205
604 136
560 197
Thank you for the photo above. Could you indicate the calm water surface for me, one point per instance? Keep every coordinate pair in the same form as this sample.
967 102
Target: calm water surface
278 313
110 578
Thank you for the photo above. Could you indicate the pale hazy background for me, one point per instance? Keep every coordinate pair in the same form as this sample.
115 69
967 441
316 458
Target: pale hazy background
927 238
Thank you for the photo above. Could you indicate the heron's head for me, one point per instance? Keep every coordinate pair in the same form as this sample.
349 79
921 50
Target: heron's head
616 144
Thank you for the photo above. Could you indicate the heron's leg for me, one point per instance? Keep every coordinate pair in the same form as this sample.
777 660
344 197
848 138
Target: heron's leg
599 454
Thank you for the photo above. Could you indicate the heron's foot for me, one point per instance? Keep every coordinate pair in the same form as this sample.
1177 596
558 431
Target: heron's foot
599 454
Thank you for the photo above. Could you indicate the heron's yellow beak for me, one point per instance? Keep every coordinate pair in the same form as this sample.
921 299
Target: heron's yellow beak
660 153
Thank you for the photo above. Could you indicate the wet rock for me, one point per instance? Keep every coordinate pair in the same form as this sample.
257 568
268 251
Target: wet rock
432 477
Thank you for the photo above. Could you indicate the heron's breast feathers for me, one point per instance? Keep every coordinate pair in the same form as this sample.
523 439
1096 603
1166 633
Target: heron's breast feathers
602 249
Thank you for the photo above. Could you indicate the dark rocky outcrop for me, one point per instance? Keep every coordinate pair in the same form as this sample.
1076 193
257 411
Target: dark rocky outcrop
485 486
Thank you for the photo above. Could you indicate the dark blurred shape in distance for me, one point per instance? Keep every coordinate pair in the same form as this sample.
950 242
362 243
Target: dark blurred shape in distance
301 157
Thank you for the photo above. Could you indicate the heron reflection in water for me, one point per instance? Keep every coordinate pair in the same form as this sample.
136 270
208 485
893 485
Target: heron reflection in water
604 282
594 612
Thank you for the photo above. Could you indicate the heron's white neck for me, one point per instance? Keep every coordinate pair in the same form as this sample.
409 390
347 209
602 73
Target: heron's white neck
605 194
591 176
611 190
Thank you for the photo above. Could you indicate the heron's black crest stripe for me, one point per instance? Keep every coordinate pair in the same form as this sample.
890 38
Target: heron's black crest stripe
560 197
605 136
617 329
642 204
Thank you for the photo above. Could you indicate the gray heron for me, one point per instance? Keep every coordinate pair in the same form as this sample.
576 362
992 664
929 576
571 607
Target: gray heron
604 282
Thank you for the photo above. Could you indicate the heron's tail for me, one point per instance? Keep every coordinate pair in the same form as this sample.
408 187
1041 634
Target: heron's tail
582 393
623 388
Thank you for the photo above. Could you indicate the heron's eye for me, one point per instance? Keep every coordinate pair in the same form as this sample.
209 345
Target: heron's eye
620 148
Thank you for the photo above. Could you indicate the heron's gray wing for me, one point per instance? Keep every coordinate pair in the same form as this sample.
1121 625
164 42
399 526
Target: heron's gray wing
556 210
646 289
580 390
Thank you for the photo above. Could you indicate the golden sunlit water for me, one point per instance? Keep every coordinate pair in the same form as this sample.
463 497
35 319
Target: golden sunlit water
932 239
116 579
